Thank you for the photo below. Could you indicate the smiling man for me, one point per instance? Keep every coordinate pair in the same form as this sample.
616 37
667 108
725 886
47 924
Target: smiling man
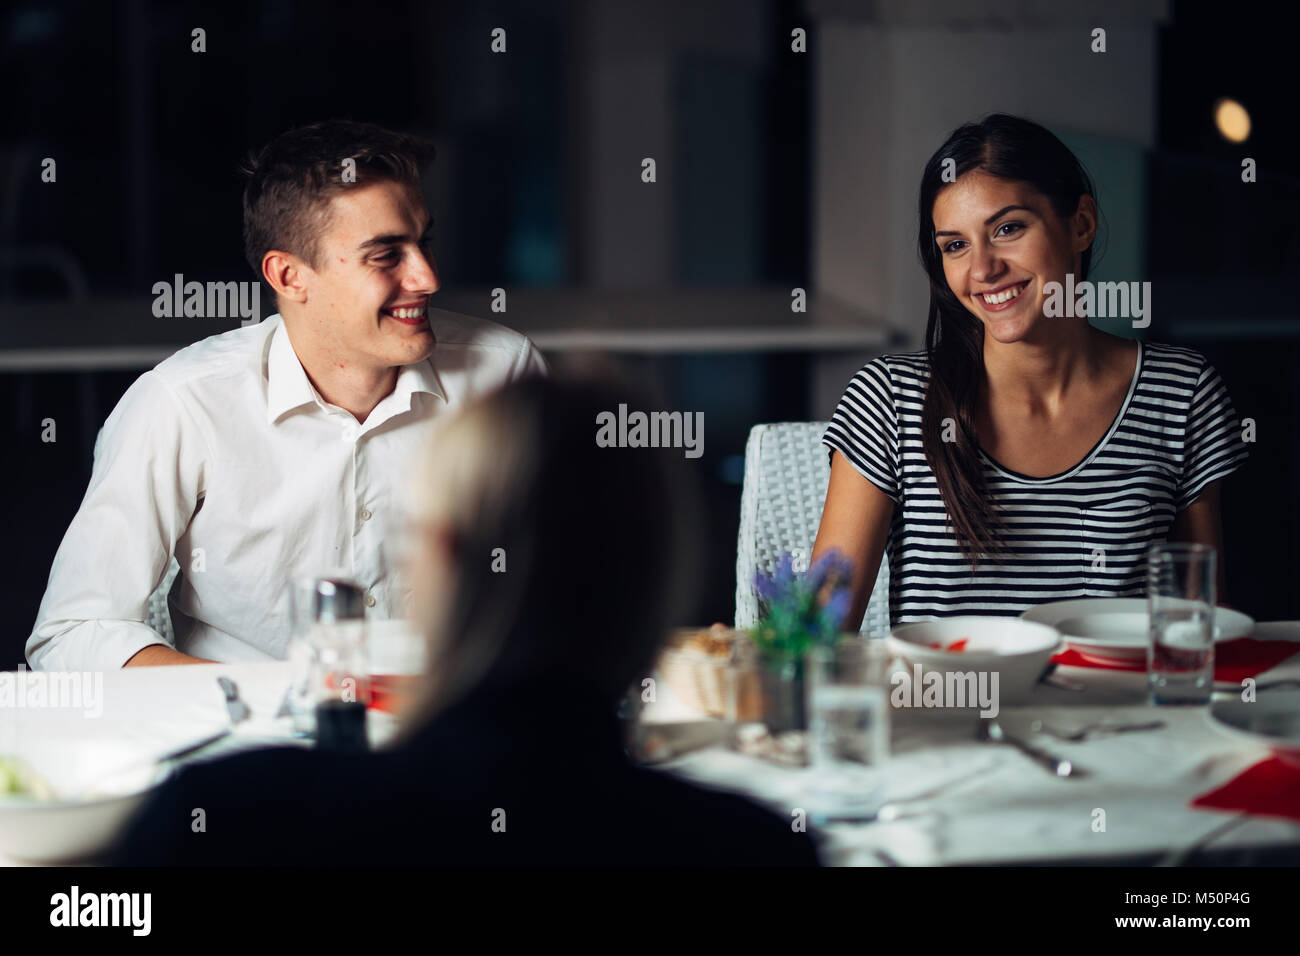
285 448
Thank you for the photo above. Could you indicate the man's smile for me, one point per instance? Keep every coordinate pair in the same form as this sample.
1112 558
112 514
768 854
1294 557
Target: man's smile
409 314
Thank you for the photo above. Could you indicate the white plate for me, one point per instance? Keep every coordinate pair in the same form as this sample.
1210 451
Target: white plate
1115 629
1272 720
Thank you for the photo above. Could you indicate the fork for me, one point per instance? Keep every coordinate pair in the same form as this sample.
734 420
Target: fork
991 731
1094 730
236 709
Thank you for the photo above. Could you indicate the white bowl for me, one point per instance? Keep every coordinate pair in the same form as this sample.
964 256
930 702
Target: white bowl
97 788
1018 651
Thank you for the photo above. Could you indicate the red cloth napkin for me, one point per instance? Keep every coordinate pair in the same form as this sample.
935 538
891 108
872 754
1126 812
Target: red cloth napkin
387 690
1269 788
1234 660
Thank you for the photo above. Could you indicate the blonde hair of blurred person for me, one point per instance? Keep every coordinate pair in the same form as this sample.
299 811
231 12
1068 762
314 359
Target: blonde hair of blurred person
594 544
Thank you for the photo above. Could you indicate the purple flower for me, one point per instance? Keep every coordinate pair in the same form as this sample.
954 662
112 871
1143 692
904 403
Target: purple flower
784 572
831 566
836 609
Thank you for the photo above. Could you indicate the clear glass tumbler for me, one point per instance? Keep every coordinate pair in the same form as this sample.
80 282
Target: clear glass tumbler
1180 604
848 729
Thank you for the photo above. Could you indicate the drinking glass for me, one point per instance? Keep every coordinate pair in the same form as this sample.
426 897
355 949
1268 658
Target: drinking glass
848 729
1180 605
300 701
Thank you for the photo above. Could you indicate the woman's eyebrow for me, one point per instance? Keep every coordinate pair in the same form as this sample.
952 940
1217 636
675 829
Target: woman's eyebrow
990 220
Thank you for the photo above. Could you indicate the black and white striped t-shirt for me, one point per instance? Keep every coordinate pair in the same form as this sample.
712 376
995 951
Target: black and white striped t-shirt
1082 533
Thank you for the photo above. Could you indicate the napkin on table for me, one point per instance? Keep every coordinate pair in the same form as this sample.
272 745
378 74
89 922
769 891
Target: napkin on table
1234 660
1269 788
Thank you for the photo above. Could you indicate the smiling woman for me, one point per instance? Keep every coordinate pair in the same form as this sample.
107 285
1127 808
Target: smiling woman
1022 457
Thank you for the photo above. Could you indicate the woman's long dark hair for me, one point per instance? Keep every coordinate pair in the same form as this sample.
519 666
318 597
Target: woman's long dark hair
1016 150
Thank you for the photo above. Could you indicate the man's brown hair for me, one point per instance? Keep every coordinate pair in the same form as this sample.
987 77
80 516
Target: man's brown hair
292 179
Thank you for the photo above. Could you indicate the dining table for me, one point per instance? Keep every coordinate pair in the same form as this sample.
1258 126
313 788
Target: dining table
1145 796
1167 795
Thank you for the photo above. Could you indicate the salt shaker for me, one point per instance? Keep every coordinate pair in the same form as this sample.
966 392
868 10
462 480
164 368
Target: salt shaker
340 678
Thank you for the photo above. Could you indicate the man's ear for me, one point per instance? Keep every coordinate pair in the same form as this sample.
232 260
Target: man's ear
284 273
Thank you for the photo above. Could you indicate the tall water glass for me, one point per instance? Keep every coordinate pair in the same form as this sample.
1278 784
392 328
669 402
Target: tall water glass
848 729
1180 603
301 700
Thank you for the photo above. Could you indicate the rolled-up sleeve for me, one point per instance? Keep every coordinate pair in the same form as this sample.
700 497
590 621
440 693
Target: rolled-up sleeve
145 485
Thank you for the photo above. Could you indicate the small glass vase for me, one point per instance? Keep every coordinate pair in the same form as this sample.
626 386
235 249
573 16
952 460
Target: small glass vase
784 704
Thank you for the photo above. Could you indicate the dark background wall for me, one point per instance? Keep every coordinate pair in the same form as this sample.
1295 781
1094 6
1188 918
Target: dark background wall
148 135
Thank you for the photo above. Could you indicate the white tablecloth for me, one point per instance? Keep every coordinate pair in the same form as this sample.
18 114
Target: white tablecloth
1000 806
1003 807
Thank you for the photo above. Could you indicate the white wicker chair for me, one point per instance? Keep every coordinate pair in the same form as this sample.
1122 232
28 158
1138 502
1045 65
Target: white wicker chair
786 473
159 615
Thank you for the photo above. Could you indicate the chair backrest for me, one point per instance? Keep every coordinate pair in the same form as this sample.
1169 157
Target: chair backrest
786 472
159 615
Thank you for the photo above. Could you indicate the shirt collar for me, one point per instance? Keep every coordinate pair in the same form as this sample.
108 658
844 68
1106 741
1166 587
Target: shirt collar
287 385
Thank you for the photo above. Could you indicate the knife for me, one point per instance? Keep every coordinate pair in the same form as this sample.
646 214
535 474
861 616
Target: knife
237 709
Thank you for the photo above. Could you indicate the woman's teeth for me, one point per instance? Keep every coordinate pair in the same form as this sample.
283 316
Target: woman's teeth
412 313
1006 295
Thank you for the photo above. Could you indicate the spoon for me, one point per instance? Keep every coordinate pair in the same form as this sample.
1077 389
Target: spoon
991 731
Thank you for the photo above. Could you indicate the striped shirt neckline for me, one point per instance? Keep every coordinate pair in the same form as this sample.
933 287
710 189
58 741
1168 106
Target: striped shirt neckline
1096 449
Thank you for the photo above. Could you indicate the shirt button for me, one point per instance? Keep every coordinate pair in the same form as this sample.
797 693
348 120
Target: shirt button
370 599
365 514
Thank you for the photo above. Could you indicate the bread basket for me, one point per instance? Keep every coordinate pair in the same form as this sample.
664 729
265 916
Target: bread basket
712 670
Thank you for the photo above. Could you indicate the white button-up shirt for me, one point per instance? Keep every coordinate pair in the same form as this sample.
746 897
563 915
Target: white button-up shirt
227 457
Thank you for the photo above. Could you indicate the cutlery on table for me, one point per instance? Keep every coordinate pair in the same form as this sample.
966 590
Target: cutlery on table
235 708
1053 679
896 808
283 710
1095 730
991 731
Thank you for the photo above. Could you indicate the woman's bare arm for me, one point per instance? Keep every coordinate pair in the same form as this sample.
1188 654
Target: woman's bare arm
856 520
1201 523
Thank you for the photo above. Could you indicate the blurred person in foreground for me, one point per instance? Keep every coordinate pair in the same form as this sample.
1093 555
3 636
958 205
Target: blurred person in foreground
513 751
